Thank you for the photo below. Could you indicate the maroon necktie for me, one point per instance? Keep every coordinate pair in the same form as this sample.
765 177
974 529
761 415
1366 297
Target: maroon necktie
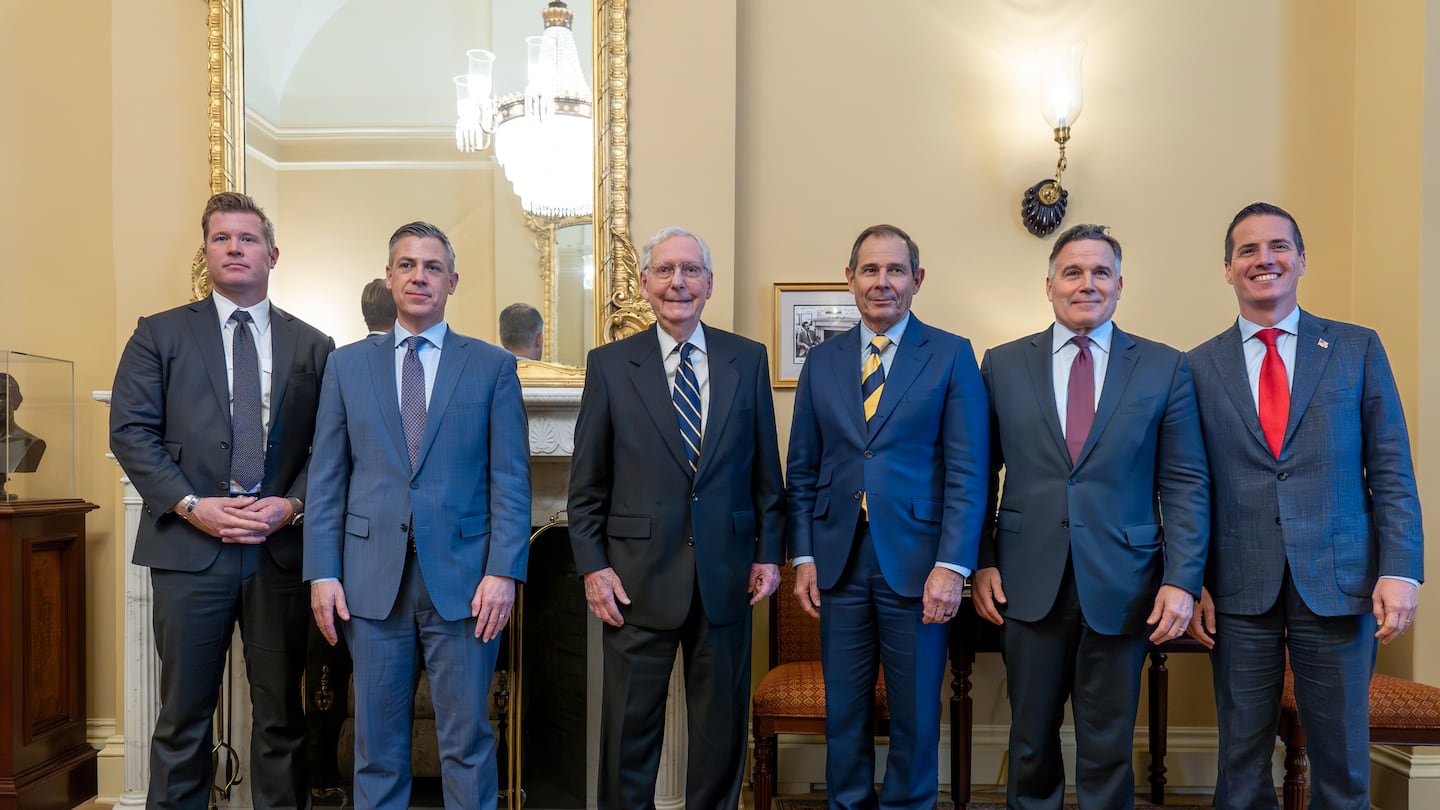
1080 398
1274 392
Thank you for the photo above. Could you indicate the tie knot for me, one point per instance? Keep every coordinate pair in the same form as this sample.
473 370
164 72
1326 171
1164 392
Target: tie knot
1269 336
879 344
685 349
413 343
1081 341
240 316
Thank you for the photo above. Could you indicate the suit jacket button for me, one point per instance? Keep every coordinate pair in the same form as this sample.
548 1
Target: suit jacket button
1284 475
1277 520
1073 482
695 498
690 541
1064 524
869 454
405 529
414 484
859 493
224 445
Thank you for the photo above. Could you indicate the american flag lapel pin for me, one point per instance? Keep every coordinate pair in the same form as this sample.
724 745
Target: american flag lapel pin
1324 344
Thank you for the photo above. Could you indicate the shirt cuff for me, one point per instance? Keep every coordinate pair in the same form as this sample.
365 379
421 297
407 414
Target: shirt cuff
324 579
959 569
1414 582
796 562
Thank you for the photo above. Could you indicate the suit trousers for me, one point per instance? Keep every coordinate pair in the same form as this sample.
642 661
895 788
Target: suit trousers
638 663
1332 657
1058 658
460 667
195 617
864 622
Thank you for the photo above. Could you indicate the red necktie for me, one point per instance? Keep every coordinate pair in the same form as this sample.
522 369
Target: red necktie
1274 392
1079 399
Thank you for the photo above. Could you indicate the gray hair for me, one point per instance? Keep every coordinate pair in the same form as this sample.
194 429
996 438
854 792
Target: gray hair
667 233
520 324
423 230
1099 233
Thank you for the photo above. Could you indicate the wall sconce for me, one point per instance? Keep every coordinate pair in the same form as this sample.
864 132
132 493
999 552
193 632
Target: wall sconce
1042 208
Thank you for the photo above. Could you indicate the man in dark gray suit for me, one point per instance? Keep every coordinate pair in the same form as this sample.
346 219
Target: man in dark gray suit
1098 434
677 522
211 417
420 526
1316 548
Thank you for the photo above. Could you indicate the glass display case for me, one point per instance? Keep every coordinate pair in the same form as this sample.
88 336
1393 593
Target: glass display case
37 436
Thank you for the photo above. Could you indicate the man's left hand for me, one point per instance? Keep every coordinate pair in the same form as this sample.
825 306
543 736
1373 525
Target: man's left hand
1393 604
494 599
943 589
1173 608
764 579
273 511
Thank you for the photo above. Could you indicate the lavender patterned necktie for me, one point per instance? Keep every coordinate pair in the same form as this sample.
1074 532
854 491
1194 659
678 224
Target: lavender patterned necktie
412 396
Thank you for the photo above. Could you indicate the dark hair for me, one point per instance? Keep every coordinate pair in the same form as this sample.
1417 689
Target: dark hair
885 230
377 305
1257 209
1099 233
235 201
423 230
520 324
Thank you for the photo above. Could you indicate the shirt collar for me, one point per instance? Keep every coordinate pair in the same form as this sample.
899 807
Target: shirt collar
895 333
260 313
435 334
668 343
1099 336
1290 325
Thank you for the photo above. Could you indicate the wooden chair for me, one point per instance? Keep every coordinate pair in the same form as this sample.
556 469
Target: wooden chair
791 697
1402 712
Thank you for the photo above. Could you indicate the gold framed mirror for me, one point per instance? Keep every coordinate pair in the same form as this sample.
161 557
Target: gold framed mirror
618 309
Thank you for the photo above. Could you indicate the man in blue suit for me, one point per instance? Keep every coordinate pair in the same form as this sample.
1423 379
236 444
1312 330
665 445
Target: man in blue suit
1317 548
419 525
889 449
1098 434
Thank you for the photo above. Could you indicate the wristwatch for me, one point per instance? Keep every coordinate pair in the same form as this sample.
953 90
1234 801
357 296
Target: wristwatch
298 507
189 503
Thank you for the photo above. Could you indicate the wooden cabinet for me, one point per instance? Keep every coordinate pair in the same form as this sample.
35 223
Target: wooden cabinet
45 761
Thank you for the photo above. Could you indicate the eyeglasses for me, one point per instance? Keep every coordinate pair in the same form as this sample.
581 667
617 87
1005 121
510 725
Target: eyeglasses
689 270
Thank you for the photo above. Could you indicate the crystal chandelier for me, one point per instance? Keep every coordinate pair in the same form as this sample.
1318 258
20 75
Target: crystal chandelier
543 136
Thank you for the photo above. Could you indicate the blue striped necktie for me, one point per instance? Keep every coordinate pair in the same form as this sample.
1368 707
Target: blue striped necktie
687 405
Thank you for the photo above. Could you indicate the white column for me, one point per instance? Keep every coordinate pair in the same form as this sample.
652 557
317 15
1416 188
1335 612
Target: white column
674 752
142 666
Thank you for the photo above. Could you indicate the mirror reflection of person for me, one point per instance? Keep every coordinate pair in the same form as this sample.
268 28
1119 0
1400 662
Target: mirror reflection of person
219 530
522 331
377 306
23 449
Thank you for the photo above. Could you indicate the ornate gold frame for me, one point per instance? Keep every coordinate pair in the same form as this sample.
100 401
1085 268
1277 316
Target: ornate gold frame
619 309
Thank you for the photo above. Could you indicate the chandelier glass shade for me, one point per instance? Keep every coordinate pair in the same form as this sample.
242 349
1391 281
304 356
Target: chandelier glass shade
544 137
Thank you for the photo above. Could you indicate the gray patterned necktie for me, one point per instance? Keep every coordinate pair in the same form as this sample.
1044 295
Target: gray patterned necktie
247 450
412 396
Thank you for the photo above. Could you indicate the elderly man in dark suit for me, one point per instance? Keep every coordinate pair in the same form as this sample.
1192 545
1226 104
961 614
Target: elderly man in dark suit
420 526
677 520
1099 438
886 495
211 417
1316 549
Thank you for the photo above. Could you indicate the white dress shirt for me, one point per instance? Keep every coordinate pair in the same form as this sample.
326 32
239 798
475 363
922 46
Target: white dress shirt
699 361
260 335
428 352
1062 357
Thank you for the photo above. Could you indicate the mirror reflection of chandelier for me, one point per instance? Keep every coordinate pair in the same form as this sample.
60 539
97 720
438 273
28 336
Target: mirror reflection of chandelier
543 136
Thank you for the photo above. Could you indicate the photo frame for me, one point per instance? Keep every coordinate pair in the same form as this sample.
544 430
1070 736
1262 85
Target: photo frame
807 315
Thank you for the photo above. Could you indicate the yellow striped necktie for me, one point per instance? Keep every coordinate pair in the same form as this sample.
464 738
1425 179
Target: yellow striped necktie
872 385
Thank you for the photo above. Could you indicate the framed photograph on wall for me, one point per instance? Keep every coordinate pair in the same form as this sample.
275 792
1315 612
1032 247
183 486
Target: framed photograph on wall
807 315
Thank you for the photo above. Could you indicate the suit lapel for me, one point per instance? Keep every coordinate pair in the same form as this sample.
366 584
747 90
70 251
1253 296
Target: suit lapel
284 337
205 325
1117 377
387 396
1229 359
647 374
724 381
1312 353
846 374
454 357
911 356
1040 362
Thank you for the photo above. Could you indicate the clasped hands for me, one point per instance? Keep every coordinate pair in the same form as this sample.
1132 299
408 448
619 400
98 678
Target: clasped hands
238 518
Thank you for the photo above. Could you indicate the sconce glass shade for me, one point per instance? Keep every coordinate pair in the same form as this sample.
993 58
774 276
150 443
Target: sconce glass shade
1063 95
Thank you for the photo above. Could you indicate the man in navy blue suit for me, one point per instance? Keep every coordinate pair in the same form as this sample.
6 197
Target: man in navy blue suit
889 449
1316 549
419 525
1098 435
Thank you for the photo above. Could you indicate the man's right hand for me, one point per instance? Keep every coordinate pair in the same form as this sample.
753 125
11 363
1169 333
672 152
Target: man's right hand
327 599
213 515
988 594
807 589
602 589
